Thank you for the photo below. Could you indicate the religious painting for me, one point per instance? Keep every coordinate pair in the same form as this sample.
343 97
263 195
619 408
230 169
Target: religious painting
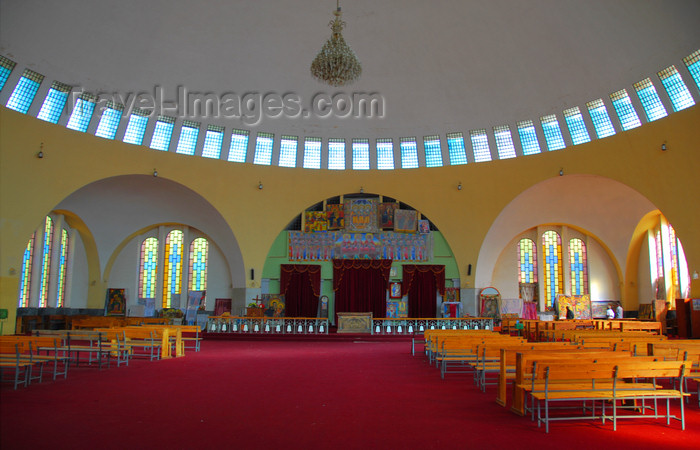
490 302
646 311
579 304
335 215
395 289
405 221
361 215
512 306
115 305
451 310
358 246
396 309
195 301
386 214
452 294
315 221
424 226
274 304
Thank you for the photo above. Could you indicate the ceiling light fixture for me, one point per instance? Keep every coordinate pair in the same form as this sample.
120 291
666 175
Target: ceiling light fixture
336 63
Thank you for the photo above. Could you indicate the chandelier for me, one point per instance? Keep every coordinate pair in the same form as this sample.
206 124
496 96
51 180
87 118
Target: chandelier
336 63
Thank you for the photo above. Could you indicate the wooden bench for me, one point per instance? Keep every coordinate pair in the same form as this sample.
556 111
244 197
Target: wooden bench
26 348
77 342
575 381
21 368
458 355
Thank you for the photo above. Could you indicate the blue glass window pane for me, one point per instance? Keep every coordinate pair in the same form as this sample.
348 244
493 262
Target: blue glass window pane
263 149
577 127
213 141
385 154
433 151
187 144
528 138
625 110
25 91
692 62
552 133
676 89
136 128
288 151
109 122
81 115
6 67
54 103
162 133
456 149
651 102
360 154
336 154
480 145
312 153
601 121
504 142
239 146
409 153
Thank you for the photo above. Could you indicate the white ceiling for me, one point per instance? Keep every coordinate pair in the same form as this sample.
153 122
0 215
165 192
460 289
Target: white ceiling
441 66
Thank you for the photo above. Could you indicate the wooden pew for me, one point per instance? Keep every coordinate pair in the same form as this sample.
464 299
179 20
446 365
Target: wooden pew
77 342
26 347
574 380
460 352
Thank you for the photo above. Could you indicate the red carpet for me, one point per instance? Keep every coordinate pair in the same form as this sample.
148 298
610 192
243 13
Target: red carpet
305 395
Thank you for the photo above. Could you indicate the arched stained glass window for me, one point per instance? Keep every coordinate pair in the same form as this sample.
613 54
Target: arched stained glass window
62 265
579 267
26 275
673 248
199 254
148 268
173 266
551 249
46 263
527 261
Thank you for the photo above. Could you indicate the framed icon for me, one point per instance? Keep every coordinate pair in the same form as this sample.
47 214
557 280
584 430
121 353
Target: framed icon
395 289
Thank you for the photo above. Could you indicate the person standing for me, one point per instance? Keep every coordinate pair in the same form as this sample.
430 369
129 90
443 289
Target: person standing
610 314
569 313
619 312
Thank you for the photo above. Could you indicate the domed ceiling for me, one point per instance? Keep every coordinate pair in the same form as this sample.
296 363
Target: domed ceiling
439 66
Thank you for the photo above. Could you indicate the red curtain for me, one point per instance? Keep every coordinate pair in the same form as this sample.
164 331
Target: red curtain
301 286
421 283
360 285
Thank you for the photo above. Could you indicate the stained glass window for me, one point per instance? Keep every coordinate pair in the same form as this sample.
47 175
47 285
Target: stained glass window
46 263
551 250
579 267
433 151
62 266
480 145
263 149
136 127
312 153
674 263
676 88
288 151
199 254
577 127
189 132
692 62
651 102
456 149
385 154
25 277
162 133
173 266
6 67
601 120
409 153
360 154
504 142
54 102
148 273
25 91
82 112
528 137
109 122
625 110
552 132
527 261
213 141
239 146
336 154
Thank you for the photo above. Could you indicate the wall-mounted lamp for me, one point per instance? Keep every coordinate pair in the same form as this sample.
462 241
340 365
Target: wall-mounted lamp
663 147
40 153
459 186
695 275
362 190
155 173
260 185
561 172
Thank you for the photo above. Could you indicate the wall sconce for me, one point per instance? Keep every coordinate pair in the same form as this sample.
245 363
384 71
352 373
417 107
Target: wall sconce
260 185
459 186
40 153
695 275
561 172
155 173
362 190
663 147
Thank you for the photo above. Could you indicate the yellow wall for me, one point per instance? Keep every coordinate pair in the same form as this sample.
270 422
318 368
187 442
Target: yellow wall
31 187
